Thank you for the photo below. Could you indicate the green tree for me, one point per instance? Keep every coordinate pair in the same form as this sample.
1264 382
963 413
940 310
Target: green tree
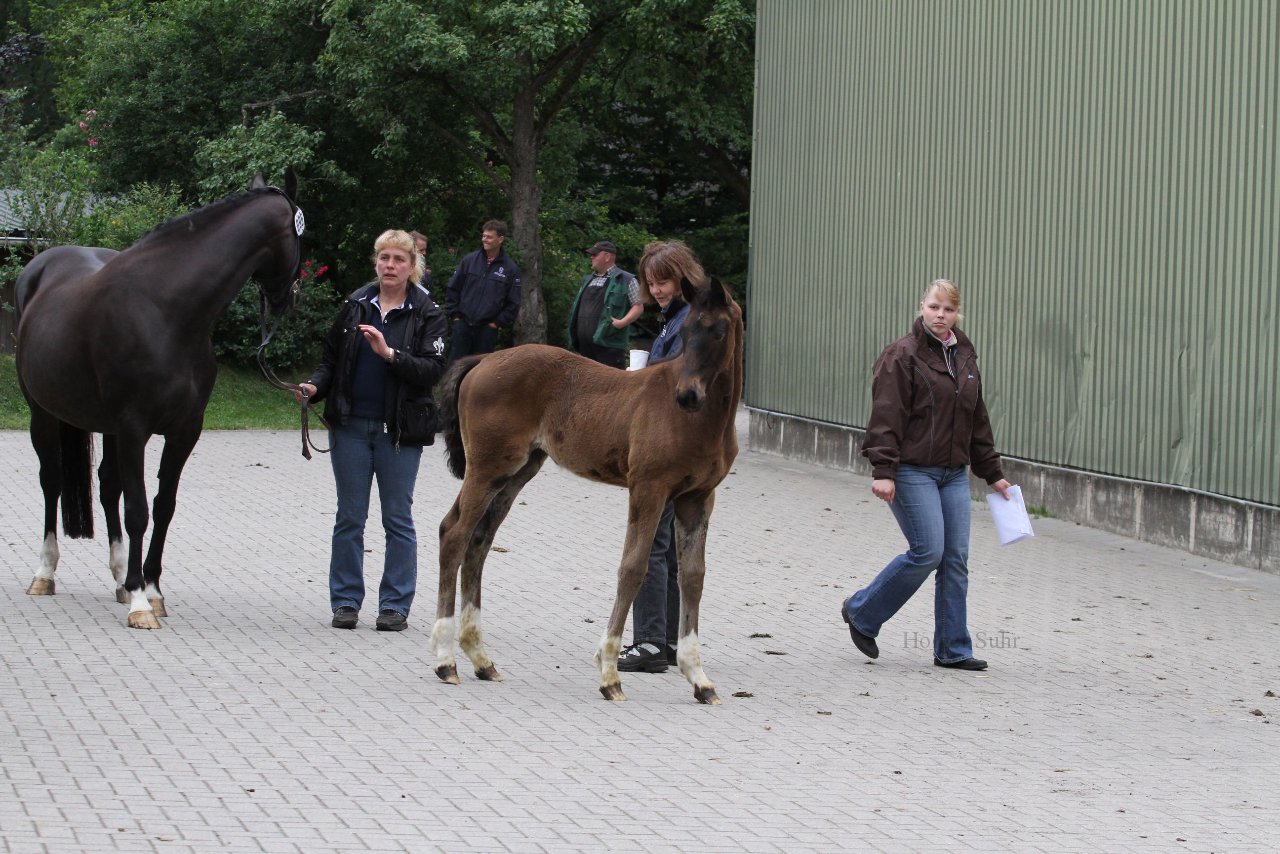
495 80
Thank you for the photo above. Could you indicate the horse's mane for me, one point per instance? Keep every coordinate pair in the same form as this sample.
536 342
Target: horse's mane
199 215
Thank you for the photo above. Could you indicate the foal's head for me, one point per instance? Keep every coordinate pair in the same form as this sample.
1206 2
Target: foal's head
712 335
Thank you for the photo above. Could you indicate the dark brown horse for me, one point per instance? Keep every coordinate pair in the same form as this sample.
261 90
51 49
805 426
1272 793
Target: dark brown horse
666 433
118 343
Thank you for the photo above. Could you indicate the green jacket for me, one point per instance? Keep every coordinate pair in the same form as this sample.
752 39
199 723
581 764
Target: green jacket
617 302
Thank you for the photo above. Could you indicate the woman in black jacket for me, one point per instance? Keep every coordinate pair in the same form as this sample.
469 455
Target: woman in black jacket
382 356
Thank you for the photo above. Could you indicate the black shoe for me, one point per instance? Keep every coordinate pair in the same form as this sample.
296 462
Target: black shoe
671 655
865 643
643 658
391 621
345 617
963 664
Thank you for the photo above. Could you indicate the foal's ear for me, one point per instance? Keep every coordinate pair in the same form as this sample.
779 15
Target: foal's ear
291 183
257 182
717 294
687 291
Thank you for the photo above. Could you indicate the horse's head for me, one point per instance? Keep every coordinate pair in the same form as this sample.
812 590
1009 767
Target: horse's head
712 334
278 273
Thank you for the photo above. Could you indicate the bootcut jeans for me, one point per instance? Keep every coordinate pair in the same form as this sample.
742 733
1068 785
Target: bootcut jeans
362 450
932 506
655 615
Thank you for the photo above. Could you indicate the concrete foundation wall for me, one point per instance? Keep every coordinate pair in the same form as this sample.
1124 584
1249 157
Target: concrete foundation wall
1226 529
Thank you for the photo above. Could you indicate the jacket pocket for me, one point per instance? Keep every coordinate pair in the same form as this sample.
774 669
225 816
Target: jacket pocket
418 421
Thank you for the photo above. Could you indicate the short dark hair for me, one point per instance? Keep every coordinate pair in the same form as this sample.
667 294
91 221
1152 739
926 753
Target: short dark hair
495 225
418 235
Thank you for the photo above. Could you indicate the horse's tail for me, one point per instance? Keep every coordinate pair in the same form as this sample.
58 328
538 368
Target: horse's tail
455 455
77 472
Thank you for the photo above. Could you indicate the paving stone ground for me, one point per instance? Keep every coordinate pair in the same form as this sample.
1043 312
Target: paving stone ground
1130 704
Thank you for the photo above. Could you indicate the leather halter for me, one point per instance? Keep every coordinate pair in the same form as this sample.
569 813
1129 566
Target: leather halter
294 289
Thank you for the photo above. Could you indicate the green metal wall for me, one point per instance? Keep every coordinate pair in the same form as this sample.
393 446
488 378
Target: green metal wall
1101 179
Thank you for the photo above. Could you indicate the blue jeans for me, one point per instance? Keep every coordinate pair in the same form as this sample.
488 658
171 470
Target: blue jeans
362 450
932 507
468 340
655 615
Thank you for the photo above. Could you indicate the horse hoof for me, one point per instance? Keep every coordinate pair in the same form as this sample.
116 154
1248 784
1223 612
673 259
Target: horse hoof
157 607
448 673
122 596
489 674
143 620
613 693
706 694
42 587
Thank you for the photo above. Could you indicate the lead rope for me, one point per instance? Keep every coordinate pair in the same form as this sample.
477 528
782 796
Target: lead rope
270 375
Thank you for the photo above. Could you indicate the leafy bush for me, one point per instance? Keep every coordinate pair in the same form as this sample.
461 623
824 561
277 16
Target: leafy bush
296 342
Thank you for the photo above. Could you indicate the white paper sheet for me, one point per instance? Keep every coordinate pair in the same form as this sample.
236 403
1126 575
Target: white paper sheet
1012 521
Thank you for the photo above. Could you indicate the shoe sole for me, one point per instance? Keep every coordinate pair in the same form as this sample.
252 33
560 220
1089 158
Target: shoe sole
343 624
644 668
399 628
872 653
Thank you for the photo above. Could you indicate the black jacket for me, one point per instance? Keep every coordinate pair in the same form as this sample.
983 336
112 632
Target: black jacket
482 292
419 361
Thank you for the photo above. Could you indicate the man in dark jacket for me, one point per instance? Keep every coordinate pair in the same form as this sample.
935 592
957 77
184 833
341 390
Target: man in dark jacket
483 295
608 302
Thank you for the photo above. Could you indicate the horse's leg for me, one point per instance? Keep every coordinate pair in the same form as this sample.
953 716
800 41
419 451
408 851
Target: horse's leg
645 508
177 448
109 496
456 530
469 636
130 450
46 441
693 512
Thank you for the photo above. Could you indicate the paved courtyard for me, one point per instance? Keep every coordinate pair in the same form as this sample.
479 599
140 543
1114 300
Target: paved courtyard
1130 705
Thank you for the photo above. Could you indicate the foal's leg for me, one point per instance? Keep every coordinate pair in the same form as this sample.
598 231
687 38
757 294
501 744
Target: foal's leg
109 495
130 449
456 530
645 508
177 449
469 636
693 512
47 443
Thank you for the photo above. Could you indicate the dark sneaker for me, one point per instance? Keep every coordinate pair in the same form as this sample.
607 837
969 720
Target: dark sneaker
671 655
391 621
345 618
865 643
643 658
963 664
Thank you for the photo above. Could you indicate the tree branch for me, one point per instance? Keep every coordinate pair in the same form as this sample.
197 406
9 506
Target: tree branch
484 165
296 96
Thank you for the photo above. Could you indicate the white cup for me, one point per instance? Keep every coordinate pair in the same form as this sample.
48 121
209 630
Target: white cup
639 358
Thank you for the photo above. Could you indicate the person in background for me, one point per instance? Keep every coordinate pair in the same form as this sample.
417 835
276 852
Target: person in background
381 358
608 302
420 241
655 614
483 295
928 425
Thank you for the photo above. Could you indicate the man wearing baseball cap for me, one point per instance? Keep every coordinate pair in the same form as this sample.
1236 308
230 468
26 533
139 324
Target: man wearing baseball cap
607 303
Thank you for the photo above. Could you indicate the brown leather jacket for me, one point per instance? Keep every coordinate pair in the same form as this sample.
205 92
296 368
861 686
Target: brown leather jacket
923 416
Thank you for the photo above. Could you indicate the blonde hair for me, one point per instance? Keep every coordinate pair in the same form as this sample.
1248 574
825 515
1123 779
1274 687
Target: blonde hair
394 238
949 289
668 260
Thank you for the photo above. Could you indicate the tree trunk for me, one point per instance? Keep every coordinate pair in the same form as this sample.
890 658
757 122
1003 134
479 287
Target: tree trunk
526 205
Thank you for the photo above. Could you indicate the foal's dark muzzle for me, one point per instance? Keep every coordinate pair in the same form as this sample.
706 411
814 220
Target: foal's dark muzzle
690 398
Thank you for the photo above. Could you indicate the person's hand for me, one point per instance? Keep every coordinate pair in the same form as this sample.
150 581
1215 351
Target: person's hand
884 488
304 388
1002 486
617 322
493 326
376 341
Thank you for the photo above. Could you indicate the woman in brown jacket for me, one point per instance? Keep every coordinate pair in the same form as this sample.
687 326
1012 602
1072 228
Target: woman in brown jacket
928 425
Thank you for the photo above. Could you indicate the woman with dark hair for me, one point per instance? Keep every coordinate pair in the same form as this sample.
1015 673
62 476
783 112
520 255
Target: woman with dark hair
655 615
